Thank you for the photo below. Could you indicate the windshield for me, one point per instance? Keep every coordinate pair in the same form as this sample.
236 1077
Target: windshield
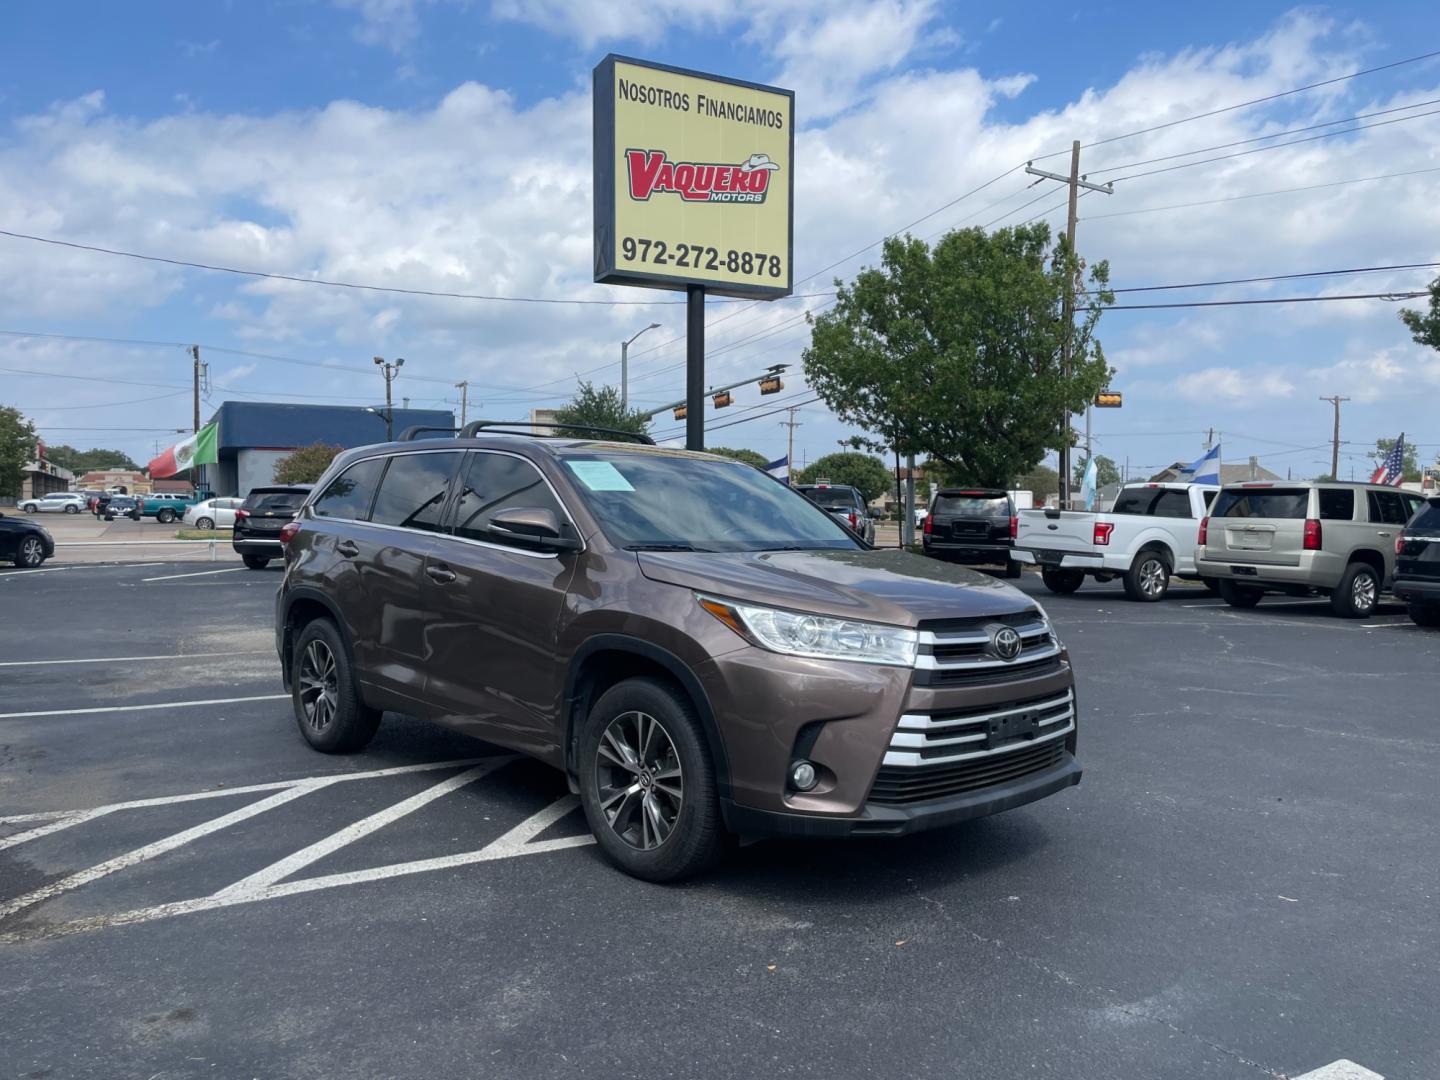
276 502
972 505
830 498
658 501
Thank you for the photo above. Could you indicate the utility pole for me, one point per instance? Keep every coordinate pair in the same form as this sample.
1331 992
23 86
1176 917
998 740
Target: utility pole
464 387
792 424
198 370
390 371
1335 443
1074 182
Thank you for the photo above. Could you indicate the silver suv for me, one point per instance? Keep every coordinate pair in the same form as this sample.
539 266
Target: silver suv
1334 539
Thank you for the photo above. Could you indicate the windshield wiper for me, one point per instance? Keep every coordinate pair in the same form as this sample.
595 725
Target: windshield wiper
663 546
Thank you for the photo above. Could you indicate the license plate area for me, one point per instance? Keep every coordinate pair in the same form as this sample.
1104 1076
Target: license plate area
1243 571
1013 728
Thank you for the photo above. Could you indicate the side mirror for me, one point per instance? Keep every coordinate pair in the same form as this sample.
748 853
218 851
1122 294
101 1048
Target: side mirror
533 524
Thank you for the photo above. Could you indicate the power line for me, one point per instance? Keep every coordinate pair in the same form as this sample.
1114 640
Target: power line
1259 194
1269 300
1247 104
1279 277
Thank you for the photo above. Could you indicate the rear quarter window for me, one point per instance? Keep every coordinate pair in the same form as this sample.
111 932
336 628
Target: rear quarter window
1337 504
1262 503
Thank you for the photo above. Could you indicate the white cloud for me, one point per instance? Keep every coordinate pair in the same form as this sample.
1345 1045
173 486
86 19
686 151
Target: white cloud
1248 387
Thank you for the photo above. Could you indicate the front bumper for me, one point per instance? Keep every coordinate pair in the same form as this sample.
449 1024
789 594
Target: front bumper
1417 590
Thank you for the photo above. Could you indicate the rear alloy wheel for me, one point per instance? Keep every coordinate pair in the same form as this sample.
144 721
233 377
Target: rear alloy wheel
165 516
256 562
1425 614
72 509
1062 582
204 523
30 508
1358 593
647 782
1148 578
327 701
1241 596
31 553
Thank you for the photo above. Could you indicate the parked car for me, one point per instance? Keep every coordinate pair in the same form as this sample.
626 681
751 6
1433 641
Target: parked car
975 526
1417 565
699 648
167 506
213 513
56 502
1145 539
845 504
259 518
120 506
1305 539
25 543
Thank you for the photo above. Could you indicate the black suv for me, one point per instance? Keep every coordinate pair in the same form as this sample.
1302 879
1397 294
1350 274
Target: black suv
975 526
1417 565
845 504
261 517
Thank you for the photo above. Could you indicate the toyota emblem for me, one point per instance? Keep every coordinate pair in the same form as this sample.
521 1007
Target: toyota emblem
1007 643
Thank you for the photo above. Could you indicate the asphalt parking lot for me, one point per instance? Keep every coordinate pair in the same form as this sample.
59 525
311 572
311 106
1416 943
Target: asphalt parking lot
1245 883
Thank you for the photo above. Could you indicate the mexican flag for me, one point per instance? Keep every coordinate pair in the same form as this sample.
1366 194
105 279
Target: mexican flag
198 449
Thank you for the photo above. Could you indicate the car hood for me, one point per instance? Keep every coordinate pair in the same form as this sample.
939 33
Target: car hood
883 585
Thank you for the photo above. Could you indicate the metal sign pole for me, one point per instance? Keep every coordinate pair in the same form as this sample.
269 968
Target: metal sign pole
694 367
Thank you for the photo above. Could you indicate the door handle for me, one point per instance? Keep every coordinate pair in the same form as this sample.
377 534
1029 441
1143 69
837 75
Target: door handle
348 548
442 575
1384 534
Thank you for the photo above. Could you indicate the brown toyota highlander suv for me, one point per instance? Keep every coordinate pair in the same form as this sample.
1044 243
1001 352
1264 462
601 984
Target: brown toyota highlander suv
702 650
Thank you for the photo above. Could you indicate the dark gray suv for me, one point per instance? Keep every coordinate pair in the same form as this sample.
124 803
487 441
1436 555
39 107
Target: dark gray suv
699 648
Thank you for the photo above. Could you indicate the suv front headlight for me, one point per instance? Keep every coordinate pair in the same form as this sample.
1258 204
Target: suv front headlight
797 633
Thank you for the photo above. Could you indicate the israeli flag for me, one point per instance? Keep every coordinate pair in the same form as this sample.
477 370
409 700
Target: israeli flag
1205 469
780 469
1087 485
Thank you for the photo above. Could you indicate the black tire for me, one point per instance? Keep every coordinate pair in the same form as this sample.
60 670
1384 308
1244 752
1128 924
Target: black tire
204 523
109 516
1358 594
1062 582
1148 578
1425 614
256 562
1014 569
1240 596
165 516
72 509
328 709
30 508
1211 584
30 553
695 837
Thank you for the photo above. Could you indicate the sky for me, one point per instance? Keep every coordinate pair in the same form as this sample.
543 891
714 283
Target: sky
445 145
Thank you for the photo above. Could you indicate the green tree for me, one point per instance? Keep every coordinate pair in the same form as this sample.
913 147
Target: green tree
600 407
305 465
1411 457
866 474
17 446
1425 325
1042 481
749 457
1106 471
83 461
955 351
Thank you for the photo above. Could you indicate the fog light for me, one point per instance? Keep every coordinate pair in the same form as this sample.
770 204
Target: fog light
802 776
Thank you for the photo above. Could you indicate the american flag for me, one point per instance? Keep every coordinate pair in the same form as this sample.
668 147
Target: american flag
1392 470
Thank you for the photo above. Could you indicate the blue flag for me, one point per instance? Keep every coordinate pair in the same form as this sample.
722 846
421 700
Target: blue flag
1087 485
1205 469
780 469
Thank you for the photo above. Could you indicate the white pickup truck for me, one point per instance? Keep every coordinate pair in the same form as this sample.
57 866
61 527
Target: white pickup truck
1147 537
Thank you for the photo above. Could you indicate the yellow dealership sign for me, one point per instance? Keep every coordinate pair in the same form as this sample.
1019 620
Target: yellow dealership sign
694 180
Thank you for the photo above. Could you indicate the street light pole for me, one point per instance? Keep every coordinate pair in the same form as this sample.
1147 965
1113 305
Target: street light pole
625 366
390 371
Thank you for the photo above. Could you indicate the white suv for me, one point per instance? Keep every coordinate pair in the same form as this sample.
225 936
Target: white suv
57 502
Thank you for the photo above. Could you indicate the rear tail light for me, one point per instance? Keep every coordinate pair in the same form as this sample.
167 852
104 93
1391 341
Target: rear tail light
288 530
1103 529
854 520
1312 535
929 525
241 515
1014 526
1399 545
1204 531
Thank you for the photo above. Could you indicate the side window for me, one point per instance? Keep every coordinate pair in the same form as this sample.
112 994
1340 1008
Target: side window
1337 504
1173 504
1210 498
1386 508
495 482
347 496
412 494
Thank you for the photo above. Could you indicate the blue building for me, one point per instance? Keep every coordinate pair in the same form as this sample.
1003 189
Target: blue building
254 435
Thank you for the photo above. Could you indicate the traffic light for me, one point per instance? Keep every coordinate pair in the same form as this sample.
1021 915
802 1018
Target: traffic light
722 399
771 385
1108 399
680 412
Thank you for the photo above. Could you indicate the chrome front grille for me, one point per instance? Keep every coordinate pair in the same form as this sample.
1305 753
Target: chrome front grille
966 655
946 738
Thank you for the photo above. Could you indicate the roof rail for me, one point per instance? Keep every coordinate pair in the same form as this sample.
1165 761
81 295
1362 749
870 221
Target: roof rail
415 432
517 427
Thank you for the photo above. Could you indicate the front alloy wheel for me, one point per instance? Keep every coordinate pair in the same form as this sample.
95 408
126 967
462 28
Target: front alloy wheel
641 782
319 686
32 552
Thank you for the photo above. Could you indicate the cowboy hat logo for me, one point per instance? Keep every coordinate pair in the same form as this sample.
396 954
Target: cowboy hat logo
652 172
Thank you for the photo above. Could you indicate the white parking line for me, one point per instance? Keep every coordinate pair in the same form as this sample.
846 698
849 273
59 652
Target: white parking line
197 573
132 659
77 566
142 708
1344 1069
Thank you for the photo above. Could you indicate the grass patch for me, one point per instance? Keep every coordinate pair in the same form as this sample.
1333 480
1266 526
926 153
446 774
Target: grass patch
203 534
